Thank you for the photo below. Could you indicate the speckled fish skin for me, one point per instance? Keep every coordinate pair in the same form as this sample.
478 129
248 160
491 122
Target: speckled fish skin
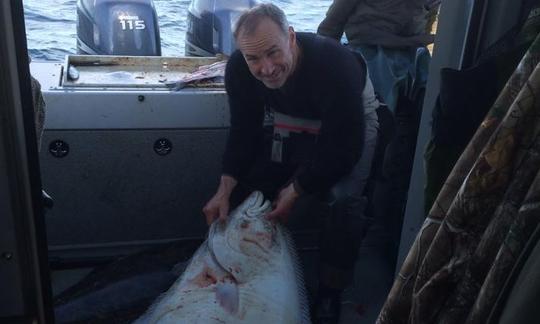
245 272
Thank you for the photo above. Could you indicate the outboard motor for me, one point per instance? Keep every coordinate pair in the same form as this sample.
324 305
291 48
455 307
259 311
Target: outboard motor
210 24
117 27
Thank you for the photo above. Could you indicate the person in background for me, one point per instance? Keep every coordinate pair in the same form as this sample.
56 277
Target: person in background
39 109
38 105
392 36
317 100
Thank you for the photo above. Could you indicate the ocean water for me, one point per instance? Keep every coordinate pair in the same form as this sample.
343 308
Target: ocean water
51 24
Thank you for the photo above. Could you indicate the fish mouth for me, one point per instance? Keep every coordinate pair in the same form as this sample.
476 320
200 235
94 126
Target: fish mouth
259 206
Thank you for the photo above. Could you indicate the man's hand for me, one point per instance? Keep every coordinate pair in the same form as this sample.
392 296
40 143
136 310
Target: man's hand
283 204
218 205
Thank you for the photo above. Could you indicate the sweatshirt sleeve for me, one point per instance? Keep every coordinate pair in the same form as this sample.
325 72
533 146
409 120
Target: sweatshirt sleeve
341 137
336 18
246 118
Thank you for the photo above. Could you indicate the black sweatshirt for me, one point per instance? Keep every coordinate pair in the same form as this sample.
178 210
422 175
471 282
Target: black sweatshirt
326 85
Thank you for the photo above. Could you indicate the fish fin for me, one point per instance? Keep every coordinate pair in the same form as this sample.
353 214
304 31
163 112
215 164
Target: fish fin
298 272
228 297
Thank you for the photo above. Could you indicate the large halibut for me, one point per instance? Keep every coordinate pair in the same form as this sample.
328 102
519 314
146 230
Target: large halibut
245 272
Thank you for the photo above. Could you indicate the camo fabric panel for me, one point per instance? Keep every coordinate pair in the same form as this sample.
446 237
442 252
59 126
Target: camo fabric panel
522 228
447 264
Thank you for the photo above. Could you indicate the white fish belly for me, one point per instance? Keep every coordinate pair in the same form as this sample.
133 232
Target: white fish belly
245 273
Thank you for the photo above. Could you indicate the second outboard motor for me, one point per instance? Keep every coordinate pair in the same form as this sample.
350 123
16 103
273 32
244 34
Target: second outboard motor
117 27
210 24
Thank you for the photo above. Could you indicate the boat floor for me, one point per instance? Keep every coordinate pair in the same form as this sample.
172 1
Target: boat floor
361 301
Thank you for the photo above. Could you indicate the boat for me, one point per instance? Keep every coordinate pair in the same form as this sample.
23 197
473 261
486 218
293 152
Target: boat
130 153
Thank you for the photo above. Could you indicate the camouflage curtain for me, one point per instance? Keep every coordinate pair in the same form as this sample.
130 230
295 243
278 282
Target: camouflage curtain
482 217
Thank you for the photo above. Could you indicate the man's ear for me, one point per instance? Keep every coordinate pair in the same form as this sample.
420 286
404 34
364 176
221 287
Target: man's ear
292 37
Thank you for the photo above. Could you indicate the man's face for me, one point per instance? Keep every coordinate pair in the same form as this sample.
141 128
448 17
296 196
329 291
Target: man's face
269 53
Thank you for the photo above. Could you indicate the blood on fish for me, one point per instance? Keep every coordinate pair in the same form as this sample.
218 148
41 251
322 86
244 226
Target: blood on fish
204 279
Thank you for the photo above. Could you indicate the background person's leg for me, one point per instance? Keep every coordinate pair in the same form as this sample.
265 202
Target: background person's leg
395 72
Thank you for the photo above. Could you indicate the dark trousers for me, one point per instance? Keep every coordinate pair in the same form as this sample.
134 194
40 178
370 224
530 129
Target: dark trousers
344 223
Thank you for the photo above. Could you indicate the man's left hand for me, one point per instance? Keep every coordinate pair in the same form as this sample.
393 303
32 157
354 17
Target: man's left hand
283 204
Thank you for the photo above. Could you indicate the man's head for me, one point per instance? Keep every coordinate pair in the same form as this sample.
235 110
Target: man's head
268 44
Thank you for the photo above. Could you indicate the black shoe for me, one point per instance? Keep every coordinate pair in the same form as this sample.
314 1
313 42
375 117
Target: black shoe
327 307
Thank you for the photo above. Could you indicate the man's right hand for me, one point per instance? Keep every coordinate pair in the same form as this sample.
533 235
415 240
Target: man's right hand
218 205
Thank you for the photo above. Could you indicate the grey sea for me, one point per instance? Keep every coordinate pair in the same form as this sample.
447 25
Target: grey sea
51 24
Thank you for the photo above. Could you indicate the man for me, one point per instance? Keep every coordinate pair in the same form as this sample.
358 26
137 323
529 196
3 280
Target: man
391 35
322 108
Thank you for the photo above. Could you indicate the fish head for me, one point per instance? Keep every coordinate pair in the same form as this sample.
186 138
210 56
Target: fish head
247 240
254 232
